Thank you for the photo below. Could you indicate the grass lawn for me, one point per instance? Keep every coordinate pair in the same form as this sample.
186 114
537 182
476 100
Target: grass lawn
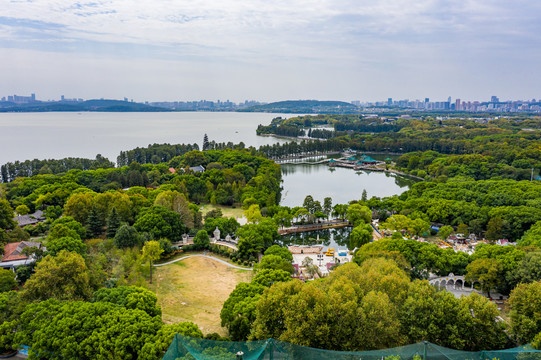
227 211
194 290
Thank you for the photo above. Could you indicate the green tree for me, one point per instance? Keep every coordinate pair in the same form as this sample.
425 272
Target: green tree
225 225
156 347
494 229
53 212
532 236
130 297
201 240
55 246
64 277
360 235
358 214
327 206
6 215
79 205
340 210
462 229
126 236
161 223
445 232
469 323
309 204
487 272
252 214
525 303
268 277
275 262
206 144
281 251
71 224
113 223
22 210
94 223
528 269
151 252
398 223
175 201
270 312
7 280
194 158
71 330
238 311
254 238
283 218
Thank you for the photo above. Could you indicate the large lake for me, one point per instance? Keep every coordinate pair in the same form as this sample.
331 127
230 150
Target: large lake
52 135
55 135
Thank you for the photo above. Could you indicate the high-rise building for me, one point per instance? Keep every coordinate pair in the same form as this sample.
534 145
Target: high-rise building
390 101
458 107
494 99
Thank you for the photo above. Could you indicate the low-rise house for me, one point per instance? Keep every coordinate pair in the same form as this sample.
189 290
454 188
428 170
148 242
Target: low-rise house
13 255
198 169
30 219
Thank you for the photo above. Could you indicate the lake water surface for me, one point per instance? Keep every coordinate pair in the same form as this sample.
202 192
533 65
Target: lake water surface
341 184
55 135
51 135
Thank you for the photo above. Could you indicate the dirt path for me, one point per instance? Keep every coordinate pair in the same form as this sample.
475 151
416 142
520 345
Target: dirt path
208 257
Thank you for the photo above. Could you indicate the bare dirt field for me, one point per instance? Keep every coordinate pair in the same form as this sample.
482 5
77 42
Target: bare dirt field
194 290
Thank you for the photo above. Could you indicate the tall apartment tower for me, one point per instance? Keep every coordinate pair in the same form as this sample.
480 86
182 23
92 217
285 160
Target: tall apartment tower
457 105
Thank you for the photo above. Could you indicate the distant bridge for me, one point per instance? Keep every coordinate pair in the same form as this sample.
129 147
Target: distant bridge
456 282
324 225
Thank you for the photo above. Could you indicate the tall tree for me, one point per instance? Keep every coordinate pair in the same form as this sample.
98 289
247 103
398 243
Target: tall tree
126 236
113 223
494 229
205 143
6 215
327 206
7 280
151 252
360 235
201 240
525 302
94 223
488 272
64 277
358 214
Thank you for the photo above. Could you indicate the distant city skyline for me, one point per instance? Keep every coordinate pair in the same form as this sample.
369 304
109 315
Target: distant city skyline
271 50
495 104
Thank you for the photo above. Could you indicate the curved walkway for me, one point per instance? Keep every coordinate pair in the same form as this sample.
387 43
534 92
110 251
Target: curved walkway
205 256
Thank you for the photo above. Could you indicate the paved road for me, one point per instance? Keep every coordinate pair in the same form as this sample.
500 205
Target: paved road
205 256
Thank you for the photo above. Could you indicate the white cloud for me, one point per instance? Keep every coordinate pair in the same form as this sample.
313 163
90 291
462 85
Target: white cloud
356 41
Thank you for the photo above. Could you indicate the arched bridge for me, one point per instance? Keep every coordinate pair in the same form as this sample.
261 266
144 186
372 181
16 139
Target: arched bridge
453 281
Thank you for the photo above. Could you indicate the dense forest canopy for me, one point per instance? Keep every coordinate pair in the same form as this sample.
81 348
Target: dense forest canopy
106 225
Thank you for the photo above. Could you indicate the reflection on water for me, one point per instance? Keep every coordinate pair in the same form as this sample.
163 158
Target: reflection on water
334 238
341 184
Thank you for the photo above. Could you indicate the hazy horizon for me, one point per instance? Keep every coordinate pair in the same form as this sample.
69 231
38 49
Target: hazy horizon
271 51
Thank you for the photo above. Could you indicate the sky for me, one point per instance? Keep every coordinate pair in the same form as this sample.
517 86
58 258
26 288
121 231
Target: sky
271 50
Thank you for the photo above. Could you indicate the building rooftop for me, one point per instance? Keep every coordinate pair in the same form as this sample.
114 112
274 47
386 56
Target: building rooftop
13 251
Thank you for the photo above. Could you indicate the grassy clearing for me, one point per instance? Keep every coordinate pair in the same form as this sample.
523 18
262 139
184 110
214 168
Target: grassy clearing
194 290
227 211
